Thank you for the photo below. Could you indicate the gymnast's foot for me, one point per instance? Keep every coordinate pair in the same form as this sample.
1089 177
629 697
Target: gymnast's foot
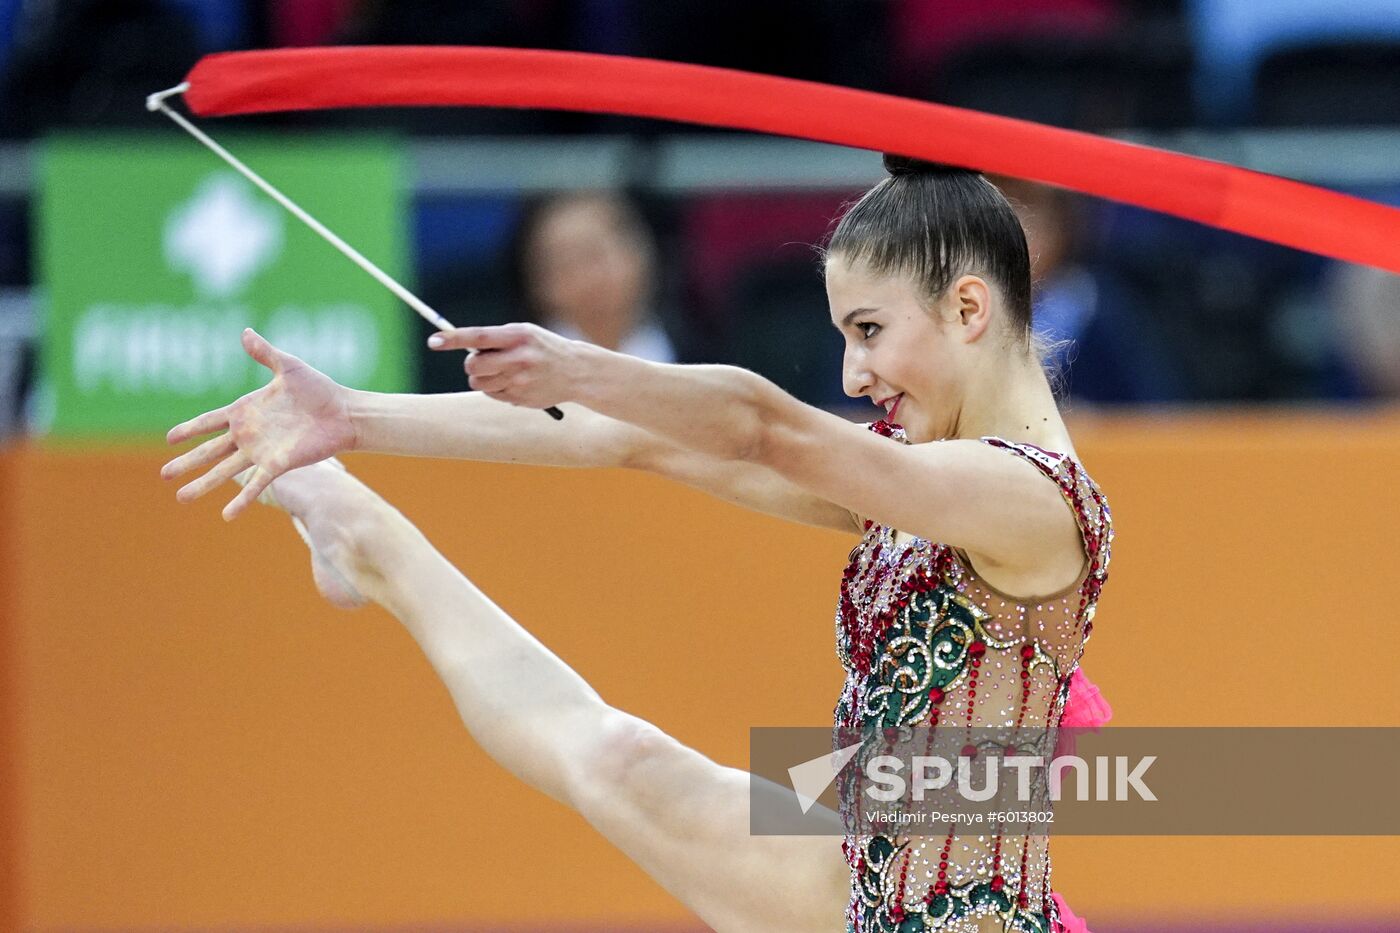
333 512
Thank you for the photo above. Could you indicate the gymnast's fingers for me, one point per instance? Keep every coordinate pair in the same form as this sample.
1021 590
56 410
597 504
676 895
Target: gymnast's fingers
495 337
492 362
222 473
206 423
496 382
258 480
205 453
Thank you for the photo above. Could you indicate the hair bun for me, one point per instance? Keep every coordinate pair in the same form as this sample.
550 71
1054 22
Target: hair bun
898 165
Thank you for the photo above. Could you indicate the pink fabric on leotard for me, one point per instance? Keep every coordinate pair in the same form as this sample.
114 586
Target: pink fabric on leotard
1069 923
1086 708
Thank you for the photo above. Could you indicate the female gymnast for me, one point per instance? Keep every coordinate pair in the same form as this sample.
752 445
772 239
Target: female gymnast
968 499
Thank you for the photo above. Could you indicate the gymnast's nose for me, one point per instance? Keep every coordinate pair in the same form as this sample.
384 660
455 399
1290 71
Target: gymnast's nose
856 378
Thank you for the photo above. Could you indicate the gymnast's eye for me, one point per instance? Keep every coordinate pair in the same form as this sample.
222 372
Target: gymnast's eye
865 333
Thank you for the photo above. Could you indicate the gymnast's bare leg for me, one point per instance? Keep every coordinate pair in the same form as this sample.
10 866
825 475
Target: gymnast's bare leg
683 818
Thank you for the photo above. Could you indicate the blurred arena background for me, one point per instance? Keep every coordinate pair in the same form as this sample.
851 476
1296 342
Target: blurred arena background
192 741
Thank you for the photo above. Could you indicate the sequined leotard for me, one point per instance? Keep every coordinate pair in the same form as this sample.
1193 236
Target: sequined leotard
1001 662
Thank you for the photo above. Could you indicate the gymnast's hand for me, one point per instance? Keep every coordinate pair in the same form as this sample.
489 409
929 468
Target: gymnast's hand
523 364
300 417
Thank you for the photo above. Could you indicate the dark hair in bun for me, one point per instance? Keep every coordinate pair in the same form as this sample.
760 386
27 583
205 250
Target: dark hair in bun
937 222
898 165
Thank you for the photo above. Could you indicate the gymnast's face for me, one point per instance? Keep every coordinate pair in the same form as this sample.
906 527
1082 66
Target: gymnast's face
903 350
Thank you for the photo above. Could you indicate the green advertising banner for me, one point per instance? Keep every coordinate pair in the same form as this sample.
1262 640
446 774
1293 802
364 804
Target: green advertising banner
153 256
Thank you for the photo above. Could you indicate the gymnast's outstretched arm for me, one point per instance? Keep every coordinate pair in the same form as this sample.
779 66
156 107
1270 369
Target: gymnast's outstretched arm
961 491
680 816
302 416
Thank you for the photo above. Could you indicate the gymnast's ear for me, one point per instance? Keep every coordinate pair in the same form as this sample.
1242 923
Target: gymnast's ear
970 299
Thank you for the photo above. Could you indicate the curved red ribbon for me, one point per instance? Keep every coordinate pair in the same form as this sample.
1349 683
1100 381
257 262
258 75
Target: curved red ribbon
1258 205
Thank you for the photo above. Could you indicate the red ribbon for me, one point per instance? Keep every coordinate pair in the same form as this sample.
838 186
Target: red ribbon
1213 193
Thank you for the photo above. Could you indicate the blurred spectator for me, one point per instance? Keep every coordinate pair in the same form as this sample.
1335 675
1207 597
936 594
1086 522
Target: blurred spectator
1365 309
1114 351
585 267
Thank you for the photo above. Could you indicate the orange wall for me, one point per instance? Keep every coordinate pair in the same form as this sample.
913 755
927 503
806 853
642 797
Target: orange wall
202 743
10 828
